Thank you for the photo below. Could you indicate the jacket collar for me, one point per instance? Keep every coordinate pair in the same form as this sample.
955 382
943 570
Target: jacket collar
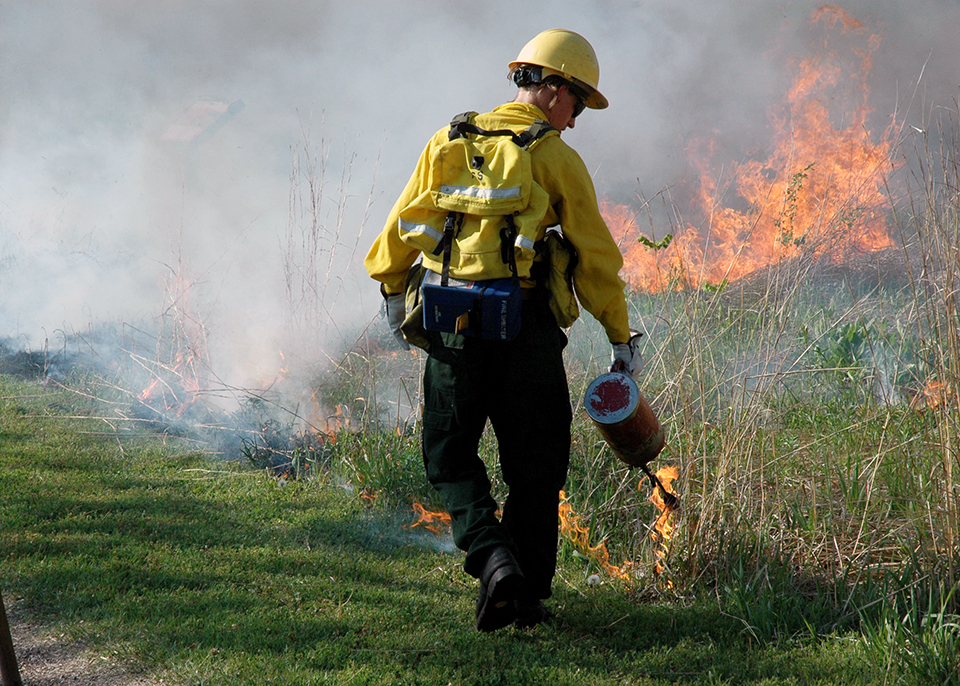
521 109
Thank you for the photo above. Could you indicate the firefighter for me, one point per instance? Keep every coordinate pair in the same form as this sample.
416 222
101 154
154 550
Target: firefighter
520 385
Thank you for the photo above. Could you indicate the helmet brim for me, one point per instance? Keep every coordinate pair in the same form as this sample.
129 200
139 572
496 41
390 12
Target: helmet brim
595 100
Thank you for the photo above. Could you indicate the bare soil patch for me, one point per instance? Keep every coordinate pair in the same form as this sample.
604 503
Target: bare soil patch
47 657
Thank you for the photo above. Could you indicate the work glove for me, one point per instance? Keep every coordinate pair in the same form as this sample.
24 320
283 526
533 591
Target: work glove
626 356
394 308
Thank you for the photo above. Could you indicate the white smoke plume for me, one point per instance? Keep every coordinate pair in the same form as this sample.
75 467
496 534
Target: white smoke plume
146 147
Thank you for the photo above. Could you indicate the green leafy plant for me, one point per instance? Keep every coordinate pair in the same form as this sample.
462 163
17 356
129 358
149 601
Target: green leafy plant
656 246
785 221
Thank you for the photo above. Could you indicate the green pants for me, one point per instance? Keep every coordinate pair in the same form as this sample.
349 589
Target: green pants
521 387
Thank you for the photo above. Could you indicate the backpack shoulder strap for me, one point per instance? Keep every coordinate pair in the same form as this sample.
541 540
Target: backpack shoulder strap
463 124
463 118
535 132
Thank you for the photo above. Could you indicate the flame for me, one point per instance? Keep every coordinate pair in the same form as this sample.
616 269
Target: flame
832 14
181 351
327 421
437 522
579 535
663 528
147 392
933 392
937 394
175 385
820 192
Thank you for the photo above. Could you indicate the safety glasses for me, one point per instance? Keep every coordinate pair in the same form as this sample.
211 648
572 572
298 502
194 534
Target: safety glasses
581 103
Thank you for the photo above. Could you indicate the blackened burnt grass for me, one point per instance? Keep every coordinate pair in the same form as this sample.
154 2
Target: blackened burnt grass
203 572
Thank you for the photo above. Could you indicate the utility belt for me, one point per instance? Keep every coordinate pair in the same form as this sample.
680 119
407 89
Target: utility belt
488 309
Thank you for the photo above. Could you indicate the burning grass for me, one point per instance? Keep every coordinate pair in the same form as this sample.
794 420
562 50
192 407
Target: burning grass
811 411
803 356
814 431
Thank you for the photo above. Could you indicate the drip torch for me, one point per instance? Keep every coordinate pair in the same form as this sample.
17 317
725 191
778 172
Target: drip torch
626 421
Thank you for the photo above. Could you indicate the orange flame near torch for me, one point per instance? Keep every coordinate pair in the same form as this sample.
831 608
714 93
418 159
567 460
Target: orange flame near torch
821 191
663 528
574 531
579 535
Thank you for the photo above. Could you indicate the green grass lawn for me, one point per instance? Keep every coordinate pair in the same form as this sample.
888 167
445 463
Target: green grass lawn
202 572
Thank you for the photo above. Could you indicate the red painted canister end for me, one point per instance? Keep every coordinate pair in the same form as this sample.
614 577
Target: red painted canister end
624 418
612 398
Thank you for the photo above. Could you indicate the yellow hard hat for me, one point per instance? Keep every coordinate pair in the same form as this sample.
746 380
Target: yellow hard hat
568 55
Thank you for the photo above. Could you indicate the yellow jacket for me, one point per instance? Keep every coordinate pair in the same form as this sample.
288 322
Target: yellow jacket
573 206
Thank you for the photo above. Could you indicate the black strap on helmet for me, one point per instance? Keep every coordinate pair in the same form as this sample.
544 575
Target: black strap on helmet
527 75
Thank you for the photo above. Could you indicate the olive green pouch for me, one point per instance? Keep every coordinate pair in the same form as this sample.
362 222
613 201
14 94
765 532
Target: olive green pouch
412 326
562 258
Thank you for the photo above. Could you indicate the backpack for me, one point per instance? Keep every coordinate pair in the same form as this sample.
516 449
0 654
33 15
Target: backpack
476 226
480 216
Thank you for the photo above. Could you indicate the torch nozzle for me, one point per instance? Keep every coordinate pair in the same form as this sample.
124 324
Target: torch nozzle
669 499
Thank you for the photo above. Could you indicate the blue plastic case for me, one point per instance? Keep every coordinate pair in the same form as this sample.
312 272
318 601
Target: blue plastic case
488 309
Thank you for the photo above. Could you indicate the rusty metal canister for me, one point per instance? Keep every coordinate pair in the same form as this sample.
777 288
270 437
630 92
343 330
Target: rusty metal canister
624 418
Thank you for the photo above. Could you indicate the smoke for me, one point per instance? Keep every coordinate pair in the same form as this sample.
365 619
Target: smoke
107 214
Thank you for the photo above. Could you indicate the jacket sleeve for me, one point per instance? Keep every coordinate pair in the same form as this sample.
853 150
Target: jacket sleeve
596 279
389 258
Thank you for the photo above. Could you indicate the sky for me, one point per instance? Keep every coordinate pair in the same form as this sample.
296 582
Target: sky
253 230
